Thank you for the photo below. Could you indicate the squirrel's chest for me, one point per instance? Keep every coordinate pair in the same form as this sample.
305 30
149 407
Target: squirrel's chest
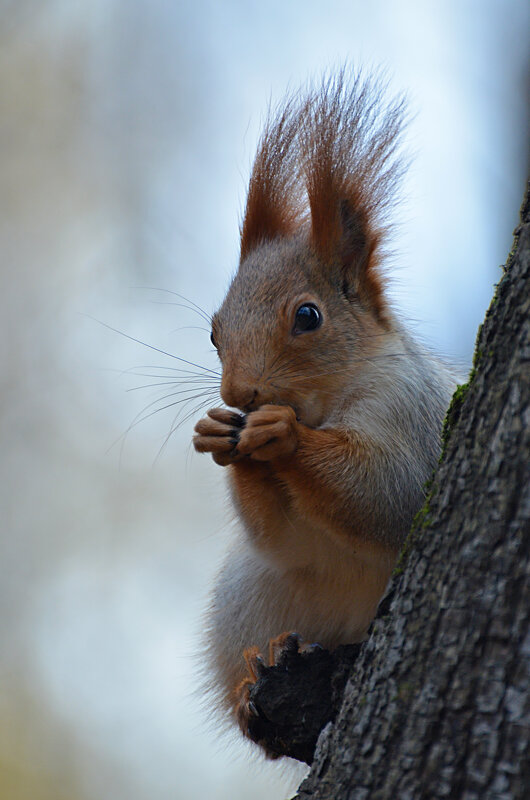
273 525
288 540
332 591
331 585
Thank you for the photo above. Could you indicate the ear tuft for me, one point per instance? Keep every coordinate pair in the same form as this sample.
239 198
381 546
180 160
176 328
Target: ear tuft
273 206
352 170
333 149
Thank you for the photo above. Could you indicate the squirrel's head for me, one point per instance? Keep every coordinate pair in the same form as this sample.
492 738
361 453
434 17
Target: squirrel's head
306 308
291 332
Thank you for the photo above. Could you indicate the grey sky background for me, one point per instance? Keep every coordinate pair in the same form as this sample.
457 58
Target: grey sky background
127 130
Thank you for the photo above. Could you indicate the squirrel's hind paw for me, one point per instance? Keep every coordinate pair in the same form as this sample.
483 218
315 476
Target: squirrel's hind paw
282 706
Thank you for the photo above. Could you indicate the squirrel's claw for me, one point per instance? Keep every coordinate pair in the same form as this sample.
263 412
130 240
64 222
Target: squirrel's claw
218 433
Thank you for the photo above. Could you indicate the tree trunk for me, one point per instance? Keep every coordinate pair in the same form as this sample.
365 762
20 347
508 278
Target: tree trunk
438 703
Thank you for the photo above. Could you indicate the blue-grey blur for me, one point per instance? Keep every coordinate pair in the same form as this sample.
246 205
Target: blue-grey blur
127 128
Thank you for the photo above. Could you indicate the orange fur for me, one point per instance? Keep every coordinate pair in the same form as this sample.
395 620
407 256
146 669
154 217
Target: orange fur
340 423
272 210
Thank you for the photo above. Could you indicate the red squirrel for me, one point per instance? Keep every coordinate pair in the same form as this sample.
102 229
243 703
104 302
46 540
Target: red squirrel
337 409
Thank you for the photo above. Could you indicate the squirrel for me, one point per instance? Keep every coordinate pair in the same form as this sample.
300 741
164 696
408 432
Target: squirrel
334 410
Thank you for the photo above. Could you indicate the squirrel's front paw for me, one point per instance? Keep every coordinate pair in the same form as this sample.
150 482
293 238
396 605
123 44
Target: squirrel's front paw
270 432
218 434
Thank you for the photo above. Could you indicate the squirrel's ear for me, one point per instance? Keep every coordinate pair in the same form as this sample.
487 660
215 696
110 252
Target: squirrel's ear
357 251
349 245
267 216
352 169
352 247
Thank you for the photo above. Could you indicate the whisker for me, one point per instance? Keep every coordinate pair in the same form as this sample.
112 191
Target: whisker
190 328
179 305
183 375
209 396
305 376
136 421
174 427
150 346
142 416
178 378
206 317
278 356
180 374
194 385
193 411
165 366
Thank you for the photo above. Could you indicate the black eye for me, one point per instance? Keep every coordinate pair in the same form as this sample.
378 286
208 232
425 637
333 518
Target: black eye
307 318
212 339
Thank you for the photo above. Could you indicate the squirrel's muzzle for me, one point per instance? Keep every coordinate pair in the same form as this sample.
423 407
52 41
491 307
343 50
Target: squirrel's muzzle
238 392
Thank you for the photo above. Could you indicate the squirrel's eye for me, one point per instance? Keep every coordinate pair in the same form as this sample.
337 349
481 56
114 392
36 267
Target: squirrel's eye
307 318
212 339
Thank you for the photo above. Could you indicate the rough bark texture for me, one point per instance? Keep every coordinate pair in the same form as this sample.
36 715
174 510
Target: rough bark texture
438 701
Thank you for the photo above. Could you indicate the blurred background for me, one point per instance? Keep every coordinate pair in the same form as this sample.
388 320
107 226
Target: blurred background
127 129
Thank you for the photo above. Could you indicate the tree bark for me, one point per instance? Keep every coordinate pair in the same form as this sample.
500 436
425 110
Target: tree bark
438 701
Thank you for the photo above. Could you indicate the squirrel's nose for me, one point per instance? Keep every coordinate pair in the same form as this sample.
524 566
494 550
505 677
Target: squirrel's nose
237 393
253 403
